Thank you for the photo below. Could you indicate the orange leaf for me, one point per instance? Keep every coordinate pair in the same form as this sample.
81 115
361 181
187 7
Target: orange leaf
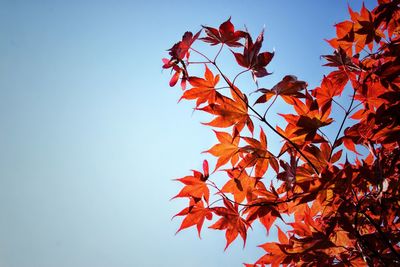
195 187
195 215
227 150
203 90
331 86
289 86
226 34
229 112
282 237
231 222
258 155
241 185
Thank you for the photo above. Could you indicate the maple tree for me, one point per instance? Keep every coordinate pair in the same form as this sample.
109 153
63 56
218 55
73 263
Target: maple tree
340 196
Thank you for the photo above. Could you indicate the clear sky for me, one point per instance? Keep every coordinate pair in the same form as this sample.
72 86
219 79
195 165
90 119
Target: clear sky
91 134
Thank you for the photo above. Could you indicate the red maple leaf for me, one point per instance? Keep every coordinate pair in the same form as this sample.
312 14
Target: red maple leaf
226 34
203 90
257 155
195 214
240 185
180 50
230 111
252 59
226 150
289 86
195 185
331 86
231 221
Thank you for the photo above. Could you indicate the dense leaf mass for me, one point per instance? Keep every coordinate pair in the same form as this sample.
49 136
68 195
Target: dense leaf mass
341 194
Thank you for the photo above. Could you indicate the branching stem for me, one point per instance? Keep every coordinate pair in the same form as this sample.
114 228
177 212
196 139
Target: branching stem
261 118
342 124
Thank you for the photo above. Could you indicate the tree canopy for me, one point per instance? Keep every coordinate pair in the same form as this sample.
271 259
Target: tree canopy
337 197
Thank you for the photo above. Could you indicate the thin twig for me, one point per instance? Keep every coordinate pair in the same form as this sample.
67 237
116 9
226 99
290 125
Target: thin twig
337 103
342 124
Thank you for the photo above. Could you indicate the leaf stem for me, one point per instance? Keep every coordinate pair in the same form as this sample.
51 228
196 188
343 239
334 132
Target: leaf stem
237 75
201 54
219 51
273 101
198 62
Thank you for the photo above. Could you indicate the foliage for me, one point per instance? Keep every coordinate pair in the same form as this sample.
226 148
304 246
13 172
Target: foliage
339 210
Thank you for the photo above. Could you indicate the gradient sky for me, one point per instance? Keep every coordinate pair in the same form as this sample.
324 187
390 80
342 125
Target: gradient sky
91 134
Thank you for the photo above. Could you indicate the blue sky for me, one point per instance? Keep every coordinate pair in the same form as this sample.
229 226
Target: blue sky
91 134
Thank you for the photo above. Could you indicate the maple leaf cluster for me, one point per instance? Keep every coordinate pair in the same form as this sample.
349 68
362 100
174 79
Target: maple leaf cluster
340 196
